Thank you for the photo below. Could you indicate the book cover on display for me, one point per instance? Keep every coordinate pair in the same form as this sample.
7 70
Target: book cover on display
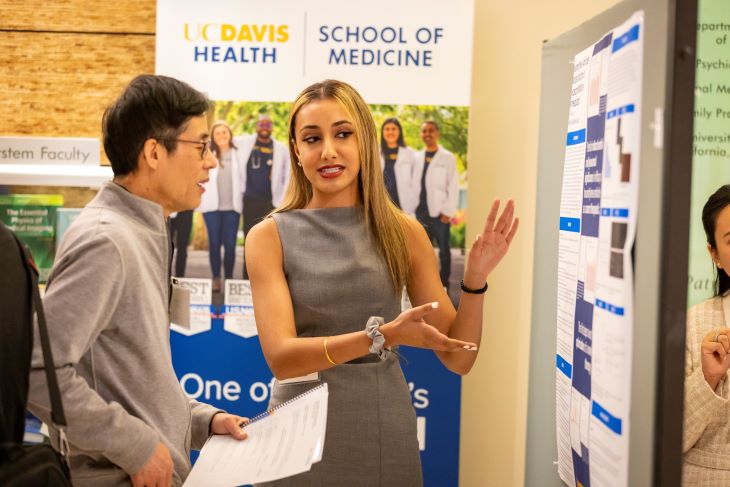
33 219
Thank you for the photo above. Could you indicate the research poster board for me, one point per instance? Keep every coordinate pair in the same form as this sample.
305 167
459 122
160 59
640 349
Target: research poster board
598 211
711 149
411 62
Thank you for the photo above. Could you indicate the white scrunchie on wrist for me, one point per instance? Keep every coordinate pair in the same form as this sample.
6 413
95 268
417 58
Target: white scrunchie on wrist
372 330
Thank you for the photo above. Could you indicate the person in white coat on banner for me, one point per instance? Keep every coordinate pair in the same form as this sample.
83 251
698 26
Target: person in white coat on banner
264 174
397 162
221 203
436 193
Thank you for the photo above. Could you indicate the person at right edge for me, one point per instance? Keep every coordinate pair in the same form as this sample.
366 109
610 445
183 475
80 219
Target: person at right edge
706 445
437 193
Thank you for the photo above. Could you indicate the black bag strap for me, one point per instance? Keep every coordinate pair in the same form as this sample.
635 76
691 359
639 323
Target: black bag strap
57 414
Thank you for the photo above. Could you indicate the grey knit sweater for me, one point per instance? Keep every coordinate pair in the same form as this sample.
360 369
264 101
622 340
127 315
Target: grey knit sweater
106 306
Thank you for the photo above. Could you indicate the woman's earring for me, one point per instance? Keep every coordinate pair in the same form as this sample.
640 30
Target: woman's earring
299 164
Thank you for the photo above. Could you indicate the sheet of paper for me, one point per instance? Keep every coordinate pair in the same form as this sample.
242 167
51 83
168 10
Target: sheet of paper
284 443
568 254
613 318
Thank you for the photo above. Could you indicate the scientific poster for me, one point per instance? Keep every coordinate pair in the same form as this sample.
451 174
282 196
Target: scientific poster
595 272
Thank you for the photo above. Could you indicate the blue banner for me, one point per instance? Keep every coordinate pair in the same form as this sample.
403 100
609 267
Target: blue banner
230 372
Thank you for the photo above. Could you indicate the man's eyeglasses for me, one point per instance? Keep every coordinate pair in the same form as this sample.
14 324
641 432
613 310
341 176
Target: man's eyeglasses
204 150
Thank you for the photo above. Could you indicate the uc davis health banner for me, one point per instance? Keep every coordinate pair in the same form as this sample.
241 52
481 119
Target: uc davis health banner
405 52
411 61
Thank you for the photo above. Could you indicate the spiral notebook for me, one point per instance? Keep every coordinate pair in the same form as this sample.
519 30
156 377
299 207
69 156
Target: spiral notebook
283 441
271 411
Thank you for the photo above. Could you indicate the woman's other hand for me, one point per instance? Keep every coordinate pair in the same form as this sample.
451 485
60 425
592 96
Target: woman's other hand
715 353
491 245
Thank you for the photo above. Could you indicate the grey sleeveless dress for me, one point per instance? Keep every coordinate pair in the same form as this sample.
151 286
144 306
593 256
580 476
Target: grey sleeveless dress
337 280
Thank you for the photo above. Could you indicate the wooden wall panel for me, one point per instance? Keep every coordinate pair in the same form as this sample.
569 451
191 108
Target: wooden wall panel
128 16
60 84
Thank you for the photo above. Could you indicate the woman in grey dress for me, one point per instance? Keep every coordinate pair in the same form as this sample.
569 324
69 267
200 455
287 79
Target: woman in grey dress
327 271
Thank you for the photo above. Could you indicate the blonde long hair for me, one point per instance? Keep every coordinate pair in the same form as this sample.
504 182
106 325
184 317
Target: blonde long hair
383 219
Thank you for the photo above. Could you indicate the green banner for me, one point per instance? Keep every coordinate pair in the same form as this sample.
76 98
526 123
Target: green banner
711 152
33 219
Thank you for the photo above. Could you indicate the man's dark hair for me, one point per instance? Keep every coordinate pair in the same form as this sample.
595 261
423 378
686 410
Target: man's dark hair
432 122
150 106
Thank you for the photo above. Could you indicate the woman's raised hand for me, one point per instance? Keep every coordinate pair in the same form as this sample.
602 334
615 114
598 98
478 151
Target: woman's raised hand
491 245
410 328
715 356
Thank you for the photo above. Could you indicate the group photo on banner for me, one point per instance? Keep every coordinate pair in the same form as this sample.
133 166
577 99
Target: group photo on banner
423 158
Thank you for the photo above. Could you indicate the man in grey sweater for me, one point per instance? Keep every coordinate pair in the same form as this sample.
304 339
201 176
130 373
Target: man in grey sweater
108 299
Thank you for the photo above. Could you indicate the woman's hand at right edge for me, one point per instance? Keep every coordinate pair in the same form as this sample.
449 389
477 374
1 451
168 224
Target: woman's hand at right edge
715 356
